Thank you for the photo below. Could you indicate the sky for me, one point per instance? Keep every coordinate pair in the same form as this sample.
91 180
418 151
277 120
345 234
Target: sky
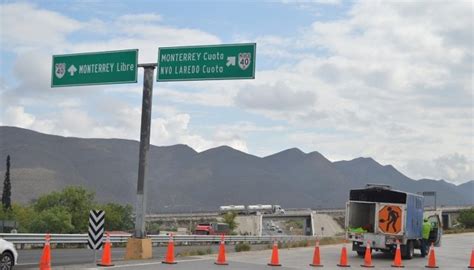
391 80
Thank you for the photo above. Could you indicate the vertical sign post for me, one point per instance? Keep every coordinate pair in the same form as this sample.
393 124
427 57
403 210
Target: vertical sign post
144 147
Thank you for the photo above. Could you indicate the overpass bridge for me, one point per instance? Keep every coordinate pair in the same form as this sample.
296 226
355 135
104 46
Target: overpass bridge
316 221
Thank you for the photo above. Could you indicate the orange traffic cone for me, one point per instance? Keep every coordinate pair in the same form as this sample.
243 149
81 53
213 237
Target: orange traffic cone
221 256
316 256
343 261
431 258
107 252
367 257
471 265
397 261
275 261
45 261
169 259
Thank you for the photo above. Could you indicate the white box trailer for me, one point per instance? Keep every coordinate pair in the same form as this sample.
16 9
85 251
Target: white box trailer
232 208
252 209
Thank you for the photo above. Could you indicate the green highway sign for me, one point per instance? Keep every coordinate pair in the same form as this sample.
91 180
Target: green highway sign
210 62
94 68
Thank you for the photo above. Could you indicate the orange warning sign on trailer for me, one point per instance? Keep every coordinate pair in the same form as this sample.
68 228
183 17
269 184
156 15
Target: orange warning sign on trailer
390 219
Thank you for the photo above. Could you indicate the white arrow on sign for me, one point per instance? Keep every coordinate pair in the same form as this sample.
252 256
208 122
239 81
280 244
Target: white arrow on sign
230 61
72 69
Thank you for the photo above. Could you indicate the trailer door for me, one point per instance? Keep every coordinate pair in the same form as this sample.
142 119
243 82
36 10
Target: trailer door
436 230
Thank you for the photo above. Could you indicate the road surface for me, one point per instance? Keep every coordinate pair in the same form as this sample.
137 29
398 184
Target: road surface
453 254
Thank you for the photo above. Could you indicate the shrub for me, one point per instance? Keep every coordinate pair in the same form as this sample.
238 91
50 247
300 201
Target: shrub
466 218
242 247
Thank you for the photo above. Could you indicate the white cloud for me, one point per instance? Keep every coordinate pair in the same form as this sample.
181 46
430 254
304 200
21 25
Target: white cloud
249 127
455 167
26 26
391 80
277 96
171 127
304 3
142 18
395 82
209 97
17 116
175 129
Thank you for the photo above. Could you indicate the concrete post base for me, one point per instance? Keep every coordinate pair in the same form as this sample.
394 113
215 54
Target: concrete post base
138 249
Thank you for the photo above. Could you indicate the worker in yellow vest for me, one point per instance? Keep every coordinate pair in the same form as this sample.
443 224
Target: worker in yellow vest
426 228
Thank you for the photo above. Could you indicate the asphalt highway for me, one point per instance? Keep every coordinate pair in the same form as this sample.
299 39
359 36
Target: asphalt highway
453 254
28 259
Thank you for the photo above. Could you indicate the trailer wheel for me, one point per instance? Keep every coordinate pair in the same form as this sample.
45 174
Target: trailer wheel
360 253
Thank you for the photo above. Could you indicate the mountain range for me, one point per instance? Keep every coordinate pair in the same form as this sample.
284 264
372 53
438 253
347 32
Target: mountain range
181 179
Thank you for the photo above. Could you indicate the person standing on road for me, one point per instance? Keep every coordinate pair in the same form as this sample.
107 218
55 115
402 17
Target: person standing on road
426 228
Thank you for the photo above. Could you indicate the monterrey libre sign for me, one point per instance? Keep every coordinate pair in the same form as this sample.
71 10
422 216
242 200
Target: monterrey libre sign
210 62
94 68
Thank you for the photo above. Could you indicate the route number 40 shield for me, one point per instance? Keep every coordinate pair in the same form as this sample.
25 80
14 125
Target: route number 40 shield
244 60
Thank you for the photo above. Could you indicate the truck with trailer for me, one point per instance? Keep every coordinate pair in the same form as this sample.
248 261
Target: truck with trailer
265 209
212 228
252 209
381 215
240 209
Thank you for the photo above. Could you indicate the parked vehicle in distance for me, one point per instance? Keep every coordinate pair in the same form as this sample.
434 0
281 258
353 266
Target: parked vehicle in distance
232 208
9 255
380 215
252 209
212 229
265 209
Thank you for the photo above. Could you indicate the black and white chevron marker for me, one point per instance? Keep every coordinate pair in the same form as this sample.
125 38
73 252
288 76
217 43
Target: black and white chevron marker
96 229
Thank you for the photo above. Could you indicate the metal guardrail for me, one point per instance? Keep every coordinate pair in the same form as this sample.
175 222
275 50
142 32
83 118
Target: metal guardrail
34 238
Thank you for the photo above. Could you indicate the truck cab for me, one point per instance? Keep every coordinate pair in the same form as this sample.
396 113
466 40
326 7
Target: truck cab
212 229
277 209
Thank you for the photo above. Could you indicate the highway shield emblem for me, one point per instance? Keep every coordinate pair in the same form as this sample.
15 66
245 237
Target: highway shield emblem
390 219
244 60
60 70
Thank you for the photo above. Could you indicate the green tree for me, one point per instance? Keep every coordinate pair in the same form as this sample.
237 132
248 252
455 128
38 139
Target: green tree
76 200
229 218
7 188
466 218
53 220
153 227
47 201
118 217
67 211
79 202
23 215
